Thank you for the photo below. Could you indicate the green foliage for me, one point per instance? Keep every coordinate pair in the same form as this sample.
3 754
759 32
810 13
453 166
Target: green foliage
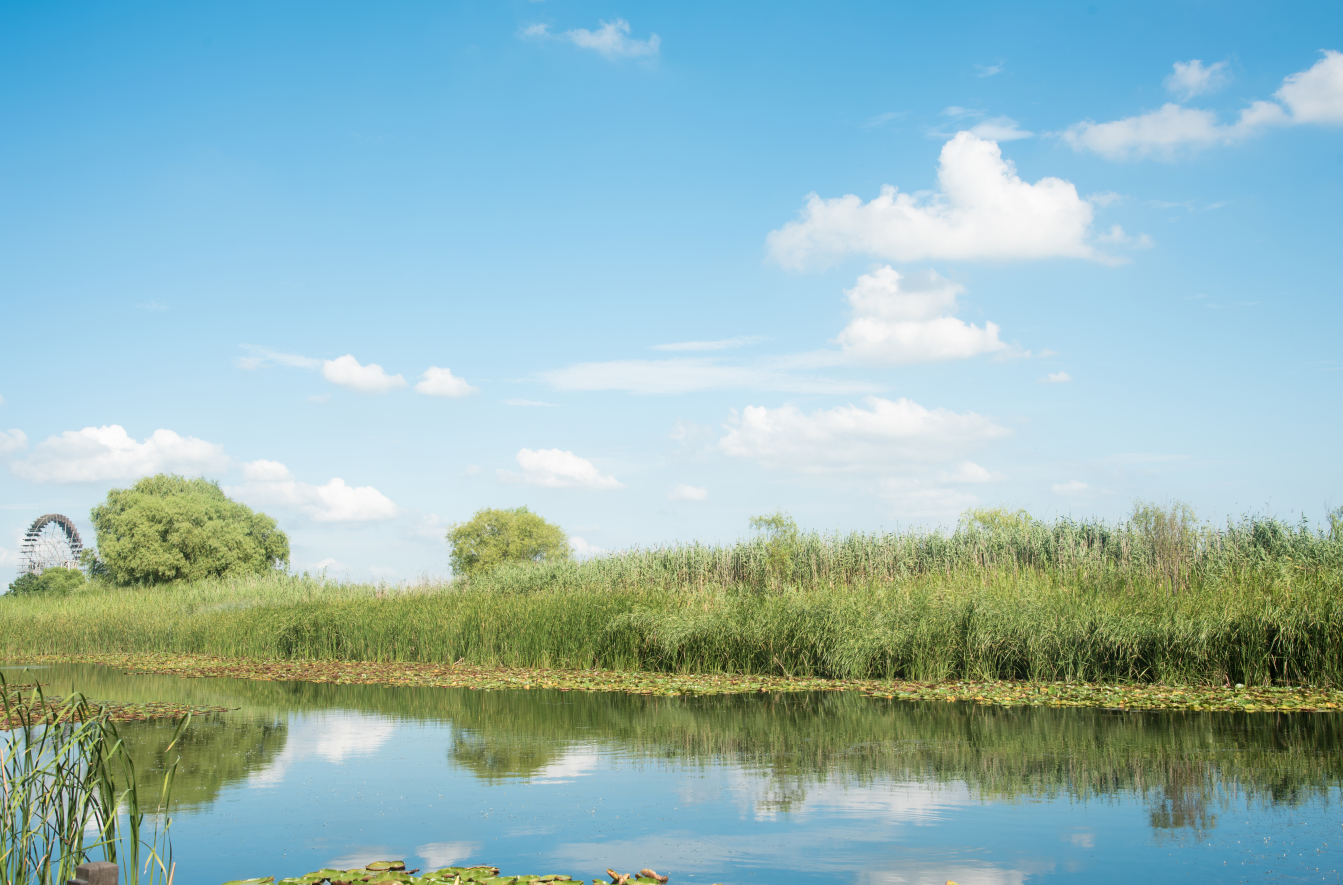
996 519
494 537
782 535
53 580
168 528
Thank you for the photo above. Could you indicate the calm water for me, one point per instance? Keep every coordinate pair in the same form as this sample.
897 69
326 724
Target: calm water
782 788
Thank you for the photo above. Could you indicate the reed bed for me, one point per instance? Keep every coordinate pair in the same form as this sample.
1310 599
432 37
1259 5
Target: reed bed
1156 598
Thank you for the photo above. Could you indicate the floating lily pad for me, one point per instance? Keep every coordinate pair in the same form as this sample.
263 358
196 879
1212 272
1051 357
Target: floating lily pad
381 865
264 880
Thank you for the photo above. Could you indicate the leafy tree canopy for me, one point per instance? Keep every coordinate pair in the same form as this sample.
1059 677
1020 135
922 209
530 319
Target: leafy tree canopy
493 537
168 528
55 581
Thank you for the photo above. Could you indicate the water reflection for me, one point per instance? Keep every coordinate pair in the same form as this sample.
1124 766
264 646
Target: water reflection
814 785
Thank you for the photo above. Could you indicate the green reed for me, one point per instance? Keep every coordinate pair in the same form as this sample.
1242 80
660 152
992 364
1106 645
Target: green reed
68 792
1157 598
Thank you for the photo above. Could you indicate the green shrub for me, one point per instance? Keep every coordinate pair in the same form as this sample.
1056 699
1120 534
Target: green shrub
53 580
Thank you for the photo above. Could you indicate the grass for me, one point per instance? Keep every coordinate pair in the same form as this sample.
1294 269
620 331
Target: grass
1156 599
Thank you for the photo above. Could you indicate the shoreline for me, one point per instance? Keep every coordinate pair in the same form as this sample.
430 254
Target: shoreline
1116 696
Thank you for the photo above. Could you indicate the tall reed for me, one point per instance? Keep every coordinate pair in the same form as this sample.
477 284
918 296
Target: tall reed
1158 597
60 800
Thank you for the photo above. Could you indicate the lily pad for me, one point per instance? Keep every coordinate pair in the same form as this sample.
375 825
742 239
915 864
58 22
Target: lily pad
381 865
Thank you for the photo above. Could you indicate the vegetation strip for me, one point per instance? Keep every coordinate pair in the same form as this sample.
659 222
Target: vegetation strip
1052 694
394 872
24 706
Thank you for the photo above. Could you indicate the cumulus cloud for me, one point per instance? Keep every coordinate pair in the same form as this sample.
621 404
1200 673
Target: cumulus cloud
557 469
984 210
900 319
346 371
270 484
1190 78
12 441
612 39
886 434
1055 378
683 492
95 454
690 375
1071 489
441 382
1311 96
1316 95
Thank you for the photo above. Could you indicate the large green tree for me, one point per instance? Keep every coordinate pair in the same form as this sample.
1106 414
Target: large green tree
169 528
494 537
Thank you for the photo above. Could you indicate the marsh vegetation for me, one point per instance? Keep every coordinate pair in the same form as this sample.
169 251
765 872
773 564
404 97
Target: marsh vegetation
1159 597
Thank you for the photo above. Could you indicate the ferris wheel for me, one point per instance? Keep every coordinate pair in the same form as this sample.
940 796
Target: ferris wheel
52 541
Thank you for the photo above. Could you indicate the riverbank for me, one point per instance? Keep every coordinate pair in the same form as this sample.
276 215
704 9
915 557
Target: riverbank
1000 693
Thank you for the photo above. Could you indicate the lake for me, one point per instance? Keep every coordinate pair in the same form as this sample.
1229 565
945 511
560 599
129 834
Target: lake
768 788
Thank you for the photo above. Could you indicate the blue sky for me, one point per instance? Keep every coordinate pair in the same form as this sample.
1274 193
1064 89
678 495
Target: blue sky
651 269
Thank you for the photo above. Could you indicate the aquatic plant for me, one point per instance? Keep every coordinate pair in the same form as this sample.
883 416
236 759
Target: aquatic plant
68 792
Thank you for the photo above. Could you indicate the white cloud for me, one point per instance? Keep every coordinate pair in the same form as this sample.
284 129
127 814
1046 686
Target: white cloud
320 398
328 564
690 375
886 434
556 469
611 40
1316 95
1055 378
437 855
12 441
1117 236
900 319
529 403
1168 132
441 382
584 550
346 371
96 454
721 344
270 484
990 70
1070 489
1311 96
151 306
984 210
262 357
1190 78
2 400
911 497
683 492
580 761
969 471
1000 129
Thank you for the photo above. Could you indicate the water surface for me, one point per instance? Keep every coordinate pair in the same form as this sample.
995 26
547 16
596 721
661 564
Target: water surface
743 789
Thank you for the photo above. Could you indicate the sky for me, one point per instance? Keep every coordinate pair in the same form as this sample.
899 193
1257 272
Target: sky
650 269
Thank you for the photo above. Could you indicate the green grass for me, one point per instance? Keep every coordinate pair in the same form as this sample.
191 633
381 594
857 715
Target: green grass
1158 598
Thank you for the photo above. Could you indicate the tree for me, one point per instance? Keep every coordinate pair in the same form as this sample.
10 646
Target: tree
783 534
169 528
55 581
494 537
